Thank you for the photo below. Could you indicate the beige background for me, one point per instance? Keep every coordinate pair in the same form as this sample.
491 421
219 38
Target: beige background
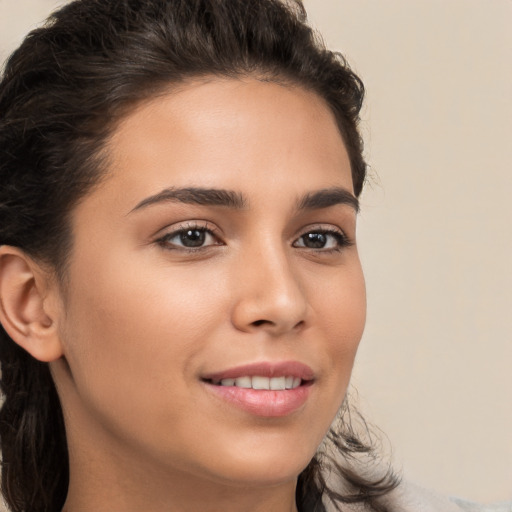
434 370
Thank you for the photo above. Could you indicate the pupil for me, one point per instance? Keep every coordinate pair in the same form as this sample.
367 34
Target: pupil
192 238
315 240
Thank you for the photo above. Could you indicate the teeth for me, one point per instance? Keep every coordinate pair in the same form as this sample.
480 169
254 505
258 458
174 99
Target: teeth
278 383
243 382
259 382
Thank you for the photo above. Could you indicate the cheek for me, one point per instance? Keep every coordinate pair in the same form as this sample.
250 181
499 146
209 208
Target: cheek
134 329
342 313
344 307
129 298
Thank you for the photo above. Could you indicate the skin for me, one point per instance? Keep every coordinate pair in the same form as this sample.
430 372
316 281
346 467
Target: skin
142 320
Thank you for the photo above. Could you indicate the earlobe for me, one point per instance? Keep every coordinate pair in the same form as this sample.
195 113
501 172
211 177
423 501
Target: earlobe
23 289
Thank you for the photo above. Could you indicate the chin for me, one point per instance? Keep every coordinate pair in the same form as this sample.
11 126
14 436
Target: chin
264 466
268 475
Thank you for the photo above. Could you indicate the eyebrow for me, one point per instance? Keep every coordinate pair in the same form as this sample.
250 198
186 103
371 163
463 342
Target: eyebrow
319 199
195 195
328 197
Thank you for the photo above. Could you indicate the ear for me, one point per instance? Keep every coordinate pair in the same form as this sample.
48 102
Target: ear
25 305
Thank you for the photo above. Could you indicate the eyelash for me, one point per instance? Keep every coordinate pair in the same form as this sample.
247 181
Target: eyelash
164 240
342 241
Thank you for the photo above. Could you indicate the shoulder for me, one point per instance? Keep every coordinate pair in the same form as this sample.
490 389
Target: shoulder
467 506
409 497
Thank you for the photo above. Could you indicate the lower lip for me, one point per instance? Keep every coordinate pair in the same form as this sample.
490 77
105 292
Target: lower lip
266 403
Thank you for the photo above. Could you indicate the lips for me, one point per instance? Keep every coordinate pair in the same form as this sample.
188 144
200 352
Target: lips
263 389
261 382
264 369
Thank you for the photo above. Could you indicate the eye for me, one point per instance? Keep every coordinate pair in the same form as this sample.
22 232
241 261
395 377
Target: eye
189 237
322 239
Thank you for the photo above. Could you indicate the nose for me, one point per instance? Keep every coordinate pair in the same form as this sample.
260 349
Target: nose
269 295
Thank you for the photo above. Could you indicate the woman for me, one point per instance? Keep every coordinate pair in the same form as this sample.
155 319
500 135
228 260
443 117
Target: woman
178 224
182 298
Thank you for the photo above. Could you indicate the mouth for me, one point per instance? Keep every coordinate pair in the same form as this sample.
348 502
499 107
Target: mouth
263 389
261 382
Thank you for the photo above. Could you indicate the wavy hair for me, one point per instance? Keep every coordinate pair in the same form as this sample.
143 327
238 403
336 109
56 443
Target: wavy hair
62 93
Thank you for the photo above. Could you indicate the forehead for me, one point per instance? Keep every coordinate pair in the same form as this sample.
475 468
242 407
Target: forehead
236 134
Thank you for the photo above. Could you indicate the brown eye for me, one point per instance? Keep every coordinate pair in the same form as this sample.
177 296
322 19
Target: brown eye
322 240
315 240
192 237
189 238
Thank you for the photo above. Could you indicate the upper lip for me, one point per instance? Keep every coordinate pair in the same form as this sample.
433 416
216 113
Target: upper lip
264 369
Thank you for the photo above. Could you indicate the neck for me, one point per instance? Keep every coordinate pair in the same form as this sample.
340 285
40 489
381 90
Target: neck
176 493
105 479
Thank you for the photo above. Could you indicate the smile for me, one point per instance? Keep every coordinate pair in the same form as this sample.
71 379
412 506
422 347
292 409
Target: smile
263 389
260 382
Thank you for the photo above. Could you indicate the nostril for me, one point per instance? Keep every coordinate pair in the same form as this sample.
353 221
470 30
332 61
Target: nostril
299 325
257 323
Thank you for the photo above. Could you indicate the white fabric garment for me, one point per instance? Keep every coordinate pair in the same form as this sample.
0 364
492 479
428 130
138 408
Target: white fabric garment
409 497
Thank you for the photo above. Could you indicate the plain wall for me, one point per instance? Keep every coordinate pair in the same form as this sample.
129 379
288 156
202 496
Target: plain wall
434 368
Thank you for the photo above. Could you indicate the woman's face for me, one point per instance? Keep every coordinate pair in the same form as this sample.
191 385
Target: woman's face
221 246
